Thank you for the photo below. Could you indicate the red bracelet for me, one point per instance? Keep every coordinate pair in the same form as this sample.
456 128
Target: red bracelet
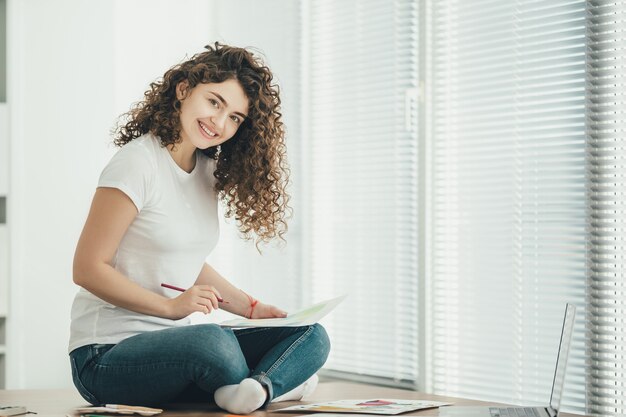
253 303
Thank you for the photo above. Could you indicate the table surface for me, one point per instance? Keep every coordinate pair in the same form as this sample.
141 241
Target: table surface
48 403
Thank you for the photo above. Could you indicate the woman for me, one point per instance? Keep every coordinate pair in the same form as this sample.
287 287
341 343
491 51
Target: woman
210 128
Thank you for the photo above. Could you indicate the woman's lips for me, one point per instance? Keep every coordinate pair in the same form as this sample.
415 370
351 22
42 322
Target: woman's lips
207 131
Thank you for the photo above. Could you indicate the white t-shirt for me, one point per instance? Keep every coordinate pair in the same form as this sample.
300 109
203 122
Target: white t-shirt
175 230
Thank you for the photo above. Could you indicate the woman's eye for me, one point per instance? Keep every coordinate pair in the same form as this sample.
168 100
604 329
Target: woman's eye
214 103
235 119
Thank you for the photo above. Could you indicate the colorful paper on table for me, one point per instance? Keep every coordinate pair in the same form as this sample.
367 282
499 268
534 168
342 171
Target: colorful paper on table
121 409
384 406
330 415
304 317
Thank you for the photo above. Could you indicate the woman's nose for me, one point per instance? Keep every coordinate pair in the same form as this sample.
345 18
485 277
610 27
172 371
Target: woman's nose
219 119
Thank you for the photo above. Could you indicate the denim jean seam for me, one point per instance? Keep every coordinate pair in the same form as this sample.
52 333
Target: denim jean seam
287 352
190 367
265 381
139 367
81 386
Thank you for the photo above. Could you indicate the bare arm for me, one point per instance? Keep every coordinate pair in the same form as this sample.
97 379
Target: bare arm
110 215
238 301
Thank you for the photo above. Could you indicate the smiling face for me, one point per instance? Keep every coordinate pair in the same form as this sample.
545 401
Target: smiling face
210 114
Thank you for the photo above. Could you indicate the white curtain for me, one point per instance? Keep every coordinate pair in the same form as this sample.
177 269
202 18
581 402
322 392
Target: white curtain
360 167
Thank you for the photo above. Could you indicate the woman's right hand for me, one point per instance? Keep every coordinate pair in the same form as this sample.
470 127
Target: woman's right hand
199 298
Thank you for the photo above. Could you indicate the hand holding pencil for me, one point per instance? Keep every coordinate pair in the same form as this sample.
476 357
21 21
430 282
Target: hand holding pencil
198 298
256 309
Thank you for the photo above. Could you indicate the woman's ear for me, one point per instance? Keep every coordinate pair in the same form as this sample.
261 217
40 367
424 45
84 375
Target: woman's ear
181 89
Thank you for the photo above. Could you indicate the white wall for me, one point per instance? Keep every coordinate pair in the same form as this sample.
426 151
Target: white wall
74 66
150 36
60 74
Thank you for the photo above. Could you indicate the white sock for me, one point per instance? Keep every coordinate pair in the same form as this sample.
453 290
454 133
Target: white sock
243 398
299 392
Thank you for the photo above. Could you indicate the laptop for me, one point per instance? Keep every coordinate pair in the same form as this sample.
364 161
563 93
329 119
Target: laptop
552 410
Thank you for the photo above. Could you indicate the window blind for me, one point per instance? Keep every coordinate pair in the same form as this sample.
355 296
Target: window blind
606 155
360 171
506 207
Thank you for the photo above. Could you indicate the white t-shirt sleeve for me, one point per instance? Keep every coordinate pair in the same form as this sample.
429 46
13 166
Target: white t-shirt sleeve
130 170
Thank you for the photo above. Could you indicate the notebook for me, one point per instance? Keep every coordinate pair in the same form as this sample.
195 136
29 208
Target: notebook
552 409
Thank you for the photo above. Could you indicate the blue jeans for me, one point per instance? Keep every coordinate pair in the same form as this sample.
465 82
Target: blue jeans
187 364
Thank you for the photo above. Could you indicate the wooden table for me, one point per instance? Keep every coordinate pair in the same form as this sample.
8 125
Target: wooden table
57 403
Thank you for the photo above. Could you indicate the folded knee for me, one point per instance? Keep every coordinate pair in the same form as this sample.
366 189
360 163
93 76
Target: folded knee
215 350
207 342
321 342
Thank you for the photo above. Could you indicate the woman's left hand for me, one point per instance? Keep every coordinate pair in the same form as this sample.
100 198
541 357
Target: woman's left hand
267 311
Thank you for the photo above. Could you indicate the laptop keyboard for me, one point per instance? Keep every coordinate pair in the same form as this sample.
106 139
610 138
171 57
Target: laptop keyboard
513 412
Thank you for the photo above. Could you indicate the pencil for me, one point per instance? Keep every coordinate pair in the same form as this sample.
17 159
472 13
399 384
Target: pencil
173 287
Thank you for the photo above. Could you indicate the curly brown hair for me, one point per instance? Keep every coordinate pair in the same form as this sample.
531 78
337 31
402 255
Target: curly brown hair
252 172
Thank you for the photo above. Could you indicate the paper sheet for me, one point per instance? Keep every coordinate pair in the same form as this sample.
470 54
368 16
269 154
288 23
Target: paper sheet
373 406
304 317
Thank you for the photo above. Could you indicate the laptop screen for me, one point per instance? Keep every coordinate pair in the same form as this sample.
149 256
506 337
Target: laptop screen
561 360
